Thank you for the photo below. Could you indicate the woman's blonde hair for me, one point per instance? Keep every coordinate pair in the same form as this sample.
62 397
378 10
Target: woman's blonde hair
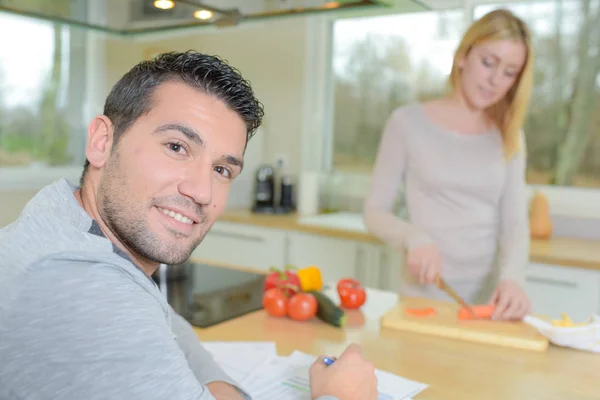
509 113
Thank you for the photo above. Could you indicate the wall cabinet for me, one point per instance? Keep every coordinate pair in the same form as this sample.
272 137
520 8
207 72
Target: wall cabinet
553 289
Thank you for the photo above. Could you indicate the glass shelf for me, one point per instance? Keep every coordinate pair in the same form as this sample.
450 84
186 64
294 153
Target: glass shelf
134 17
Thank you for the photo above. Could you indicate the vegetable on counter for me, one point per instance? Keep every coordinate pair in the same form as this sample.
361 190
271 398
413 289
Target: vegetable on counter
540 221
567 322
351 292
299 306
286 279
482 311
328 311
302 307
275 302
421 312
310 278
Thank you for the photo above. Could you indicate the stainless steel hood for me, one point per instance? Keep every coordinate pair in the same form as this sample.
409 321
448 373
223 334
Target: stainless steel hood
135 17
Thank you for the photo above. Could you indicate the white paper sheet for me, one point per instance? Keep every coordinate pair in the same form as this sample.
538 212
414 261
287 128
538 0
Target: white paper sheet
267 376
239 359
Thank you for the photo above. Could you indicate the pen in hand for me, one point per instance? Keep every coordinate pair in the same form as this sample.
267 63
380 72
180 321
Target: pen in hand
328 360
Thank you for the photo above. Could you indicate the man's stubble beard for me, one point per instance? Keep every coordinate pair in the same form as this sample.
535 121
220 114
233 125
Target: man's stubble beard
127 220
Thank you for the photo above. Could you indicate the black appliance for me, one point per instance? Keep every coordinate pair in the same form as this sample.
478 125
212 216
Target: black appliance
264 188
266 199
206 295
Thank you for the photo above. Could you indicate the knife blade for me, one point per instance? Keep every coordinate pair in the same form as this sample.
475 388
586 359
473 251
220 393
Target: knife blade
441 283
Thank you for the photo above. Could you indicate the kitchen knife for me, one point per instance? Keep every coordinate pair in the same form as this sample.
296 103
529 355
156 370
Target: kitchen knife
444 286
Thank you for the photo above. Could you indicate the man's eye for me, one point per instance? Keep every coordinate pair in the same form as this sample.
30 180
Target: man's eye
175 147
223 171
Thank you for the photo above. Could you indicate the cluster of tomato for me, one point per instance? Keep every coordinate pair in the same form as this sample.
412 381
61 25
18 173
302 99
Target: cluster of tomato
288 293
283 296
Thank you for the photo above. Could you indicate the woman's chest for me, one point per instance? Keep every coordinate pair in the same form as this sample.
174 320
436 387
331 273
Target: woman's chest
469 165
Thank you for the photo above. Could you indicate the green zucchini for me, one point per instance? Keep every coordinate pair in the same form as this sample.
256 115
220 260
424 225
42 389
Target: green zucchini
327 311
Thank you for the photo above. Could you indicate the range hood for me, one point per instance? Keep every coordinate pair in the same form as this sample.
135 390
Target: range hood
135 17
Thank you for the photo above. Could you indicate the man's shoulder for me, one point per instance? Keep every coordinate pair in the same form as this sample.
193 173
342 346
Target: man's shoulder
80 285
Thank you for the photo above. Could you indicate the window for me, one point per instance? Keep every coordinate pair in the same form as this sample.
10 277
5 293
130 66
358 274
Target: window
42 89
563 124
382 62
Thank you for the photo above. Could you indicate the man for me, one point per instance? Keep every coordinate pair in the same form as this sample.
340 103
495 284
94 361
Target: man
80 317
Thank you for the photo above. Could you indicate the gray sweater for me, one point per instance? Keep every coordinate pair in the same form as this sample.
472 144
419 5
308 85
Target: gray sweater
79 320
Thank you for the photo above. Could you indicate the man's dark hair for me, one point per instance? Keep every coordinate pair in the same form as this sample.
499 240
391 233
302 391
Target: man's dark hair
131 96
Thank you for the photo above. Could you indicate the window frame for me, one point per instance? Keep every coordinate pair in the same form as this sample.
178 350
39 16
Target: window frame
319 131
35 176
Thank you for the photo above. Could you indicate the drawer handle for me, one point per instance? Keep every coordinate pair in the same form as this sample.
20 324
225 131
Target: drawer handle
552 282
241 236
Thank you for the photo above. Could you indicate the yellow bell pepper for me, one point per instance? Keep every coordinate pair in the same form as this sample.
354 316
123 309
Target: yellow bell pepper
310 278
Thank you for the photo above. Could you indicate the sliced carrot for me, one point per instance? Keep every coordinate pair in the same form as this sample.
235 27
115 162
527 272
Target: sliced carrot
482 311
420 312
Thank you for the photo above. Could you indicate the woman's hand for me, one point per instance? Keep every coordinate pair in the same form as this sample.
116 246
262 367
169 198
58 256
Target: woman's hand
425 263
511 301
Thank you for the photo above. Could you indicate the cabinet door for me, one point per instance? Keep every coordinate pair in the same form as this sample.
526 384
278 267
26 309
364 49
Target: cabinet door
554 290
337 258
390 265
242 245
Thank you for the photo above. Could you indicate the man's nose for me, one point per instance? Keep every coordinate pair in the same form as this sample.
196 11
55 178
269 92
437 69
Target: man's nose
198 184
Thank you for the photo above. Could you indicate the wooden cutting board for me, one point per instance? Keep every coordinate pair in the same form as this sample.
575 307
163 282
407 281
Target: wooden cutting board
446 324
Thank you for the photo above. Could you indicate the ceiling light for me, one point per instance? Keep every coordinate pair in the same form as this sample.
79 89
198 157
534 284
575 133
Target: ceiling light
203 14
164 4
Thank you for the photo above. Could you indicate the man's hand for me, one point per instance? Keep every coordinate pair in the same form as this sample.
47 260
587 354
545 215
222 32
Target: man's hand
511 301
350 377
223 391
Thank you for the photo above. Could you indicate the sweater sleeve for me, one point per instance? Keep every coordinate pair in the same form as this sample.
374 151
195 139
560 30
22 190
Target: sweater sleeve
200 361
387 177
514 240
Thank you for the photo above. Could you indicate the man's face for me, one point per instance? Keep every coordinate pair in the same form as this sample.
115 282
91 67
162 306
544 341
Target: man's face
168 178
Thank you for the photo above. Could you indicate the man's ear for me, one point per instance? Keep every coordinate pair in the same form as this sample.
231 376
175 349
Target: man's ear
100 140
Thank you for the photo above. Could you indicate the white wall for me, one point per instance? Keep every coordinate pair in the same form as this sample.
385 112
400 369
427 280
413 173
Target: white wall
271 55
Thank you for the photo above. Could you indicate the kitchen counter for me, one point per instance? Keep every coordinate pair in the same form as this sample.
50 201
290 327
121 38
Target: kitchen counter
453 369
564 251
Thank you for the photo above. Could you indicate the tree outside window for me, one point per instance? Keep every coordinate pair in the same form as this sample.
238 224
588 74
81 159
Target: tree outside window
40 120
380 63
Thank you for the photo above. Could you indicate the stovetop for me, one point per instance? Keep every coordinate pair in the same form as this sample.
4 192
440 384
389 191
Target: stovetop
206 294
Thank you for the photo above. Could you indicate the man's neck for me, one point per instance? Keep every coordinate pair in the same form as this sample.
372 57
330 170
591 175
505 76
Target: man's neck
87 200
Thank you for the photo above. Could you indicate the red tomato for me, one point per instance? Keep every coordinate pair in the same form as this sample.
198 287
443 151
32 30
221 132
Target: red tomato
352 294
275 302
302 307
286 280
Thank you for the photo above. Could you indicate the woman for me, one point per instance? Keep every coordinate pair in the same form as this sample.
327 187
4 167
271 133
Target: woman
461 162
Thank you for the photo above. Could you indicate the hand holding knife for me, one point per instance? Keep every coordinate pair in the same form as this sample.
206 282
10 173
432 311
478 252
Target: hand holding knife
440 283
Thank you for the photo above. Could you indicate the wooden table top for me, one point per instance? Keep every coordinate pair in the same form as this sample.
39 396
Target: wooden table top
564 251
453 369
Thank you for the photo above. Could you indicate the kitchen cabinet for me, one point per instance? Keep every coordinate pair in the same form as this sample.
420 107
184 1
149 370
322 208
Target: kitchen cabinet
337 258
243 245
555 289
391 263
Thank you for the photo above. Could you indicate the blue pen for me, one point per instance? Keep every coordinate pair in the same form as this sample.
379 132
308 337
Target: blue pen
328 360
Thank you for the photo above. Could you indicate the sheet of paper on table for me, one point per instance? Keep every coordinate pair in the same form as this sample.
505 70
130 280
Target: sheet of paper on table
267 376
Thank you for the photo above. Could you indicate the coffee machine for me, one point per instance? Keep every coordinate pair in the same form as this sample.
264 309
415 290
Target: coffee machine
266 199
264 188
